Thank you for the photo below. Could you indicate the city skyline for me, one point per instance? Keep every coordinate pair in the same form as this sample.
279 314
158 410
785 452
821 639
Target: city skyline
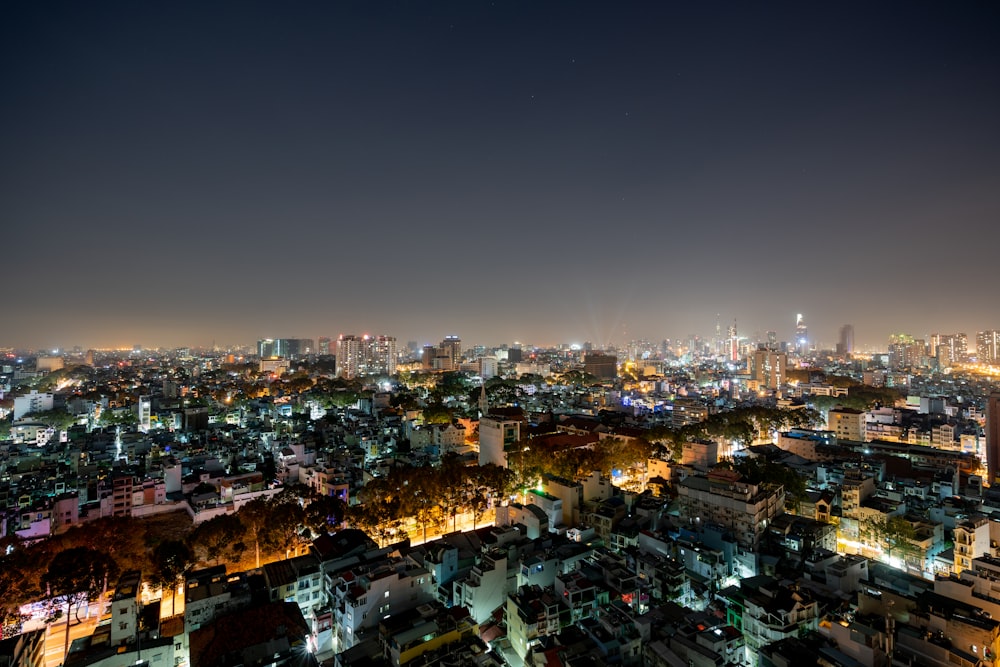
174 175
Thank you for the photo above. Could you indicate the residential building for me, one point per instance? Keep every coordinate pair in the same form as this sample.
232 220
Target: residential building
531 613
424 630
366 593
768 367
971 540
33 402
496 435
726 498
846 424
767 611
359 356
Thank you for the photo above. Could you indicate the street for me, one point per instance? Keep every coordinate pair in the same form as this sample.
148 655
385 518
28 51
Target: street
55 639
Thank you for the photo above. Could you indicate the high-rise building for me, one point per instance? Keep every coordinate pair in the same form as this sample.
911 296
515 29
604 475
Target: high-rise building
949 347
988 347
905 351
768 367
993 438
323 345
365 355
451 347
846 343
265 348
733 344
285 348
801 335
601 365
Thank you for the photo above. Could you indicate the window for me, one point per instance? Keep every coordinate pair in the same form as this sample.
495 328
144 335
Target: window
386 594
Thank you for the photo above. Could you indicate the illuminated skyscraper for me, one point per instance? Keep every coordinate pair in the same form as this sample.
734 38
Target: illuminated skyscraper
285 348
768 367
905 351
451 347
949 347
265 348
801 335
988 347
365 355
733 345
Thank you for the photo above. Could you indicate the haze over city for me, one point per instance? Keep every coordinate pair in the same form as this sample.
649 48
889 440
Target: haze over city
188 173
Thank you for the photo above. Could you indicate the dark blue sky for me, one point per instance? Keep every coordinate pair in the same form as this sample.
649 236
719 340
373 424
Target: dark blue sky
182 172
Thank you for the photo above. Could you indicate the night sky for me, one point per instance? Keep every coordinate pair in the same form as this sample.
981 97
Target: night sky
178 173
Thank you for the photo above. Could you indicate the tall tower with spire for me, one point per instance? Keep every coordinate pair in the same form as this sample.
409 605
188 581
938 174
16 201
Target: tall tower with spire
733 348
801 335
484 403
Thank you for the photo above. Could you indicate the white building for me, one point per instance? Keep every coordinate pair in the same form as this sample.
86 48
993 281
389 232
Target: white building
725 498
32 402
365 355
364 595
847 424
486 587
494 436
972 540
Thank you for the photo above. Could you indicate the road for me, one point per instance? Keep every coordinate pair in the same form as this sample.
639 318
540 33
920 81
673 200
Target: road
55 639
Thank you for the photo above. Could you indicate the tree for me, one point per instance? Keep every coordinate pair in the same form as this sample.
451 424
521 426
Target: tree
380 520
897 533
78 574
286 519
436 413
171 561
449 483
16 586
323 513
215 536
255 517
452 383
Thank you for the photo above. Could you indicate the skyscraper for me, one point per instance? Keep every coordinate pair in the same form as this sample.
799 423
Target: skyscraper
846 343
451 347
768 367
801 335
365 355
733 344
988 347
286 348
601 365
993 438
